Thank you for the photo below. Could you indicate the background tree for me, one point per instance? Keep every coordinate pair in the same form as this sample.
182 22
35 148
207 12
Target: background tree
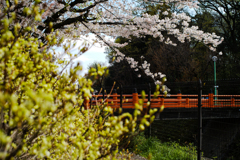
202 55
186 61
225 22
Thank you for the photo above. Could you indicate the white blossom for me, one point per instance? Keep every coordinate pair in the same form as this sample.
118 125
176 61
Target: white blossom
118 13
165 13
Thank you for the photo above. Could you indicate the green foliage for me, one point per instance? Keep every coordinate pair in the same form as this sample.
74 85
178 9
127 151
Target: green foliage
99 69
201 54
152 148
222 18
41 114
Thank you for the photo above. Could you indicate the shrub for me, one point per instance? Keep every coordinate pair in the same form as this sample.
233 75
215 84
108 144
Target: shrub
153 148
41 114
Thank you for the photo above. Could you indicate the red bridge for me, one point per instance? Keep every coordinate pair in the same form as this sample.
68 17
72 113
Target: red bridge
128 101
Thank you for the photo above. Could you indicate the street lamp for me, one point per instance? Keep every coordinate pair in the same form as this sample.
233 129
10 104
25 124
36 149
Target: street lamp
214 58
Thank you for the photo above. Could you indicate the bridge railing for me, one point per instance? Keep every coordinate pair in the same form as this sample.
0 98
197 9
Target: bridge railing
172 101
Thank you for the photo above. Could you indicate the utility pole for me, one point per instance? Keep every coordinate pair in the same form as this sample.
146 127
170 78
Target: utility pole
199 148
214 58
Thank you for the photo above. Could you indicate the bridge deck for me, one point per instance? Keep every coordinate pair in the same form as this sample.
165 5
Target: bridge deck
172 101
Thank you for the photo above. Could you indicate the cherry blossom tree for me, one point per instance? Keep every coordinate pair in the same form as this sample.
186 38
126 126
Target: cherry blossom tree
75 18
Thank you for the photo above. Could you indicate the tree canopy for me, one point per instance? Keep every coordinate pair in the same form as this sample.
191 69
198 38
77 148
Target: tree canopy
109 18
185 61
226 23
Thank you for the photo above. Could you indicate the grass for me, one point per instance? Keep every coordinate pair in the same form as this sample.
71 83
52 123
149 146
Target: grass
152 148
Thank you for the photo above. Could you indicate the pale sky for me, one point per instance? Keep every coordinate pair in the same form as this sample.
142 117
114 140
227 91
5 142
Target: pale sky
94 54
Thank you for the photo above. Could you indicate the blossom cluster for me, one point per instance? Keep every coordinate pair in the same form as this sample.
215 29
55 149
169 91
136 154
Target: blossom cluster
115 18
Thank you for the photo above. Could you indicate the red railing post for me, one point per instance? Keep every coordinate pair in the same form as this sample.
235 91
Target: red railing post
187 102
115 99
210 100
232 102
162 101
86 103
134 97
